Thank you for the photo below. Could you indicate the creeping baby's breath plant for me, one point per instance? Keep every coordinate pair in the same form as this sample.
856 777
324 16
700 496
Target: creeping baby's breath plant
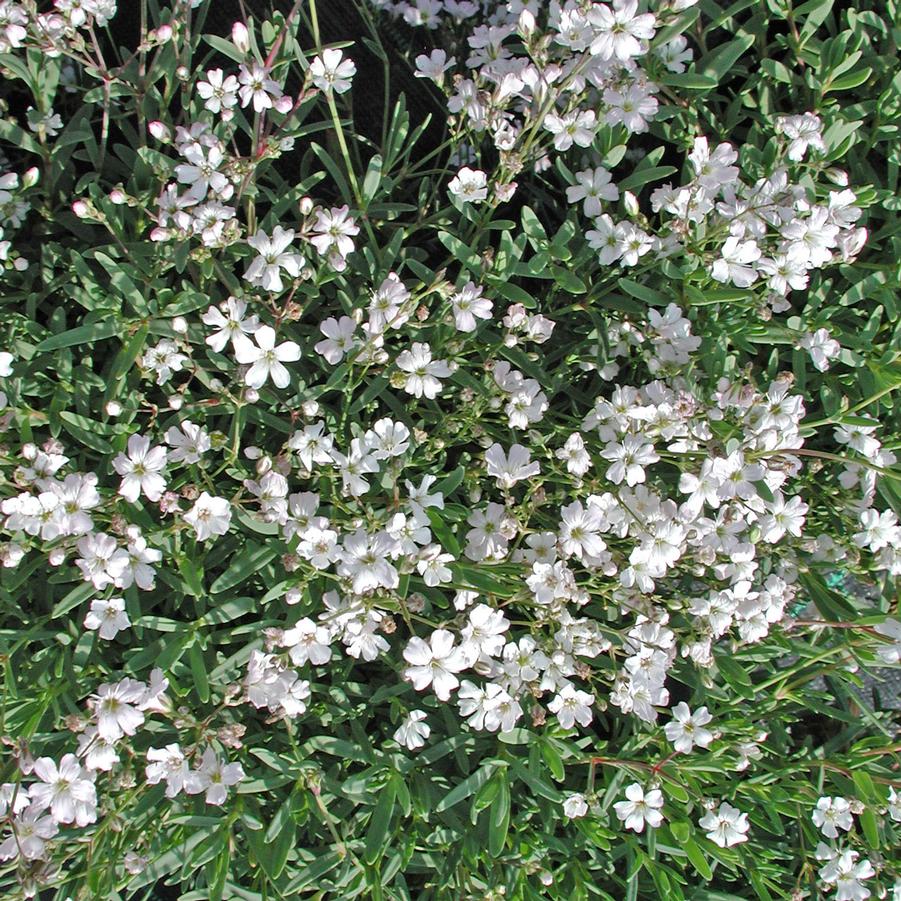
448 449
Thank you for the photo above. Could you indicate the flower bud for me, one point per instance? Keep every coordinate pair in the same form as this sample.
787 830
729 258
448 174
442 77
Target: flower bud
118 196
251 395
161 35
284 104
176 402
306 206
310 408
631 203
241 37
81 209
31 177
180 325
526 24
57 556
113 408
159 131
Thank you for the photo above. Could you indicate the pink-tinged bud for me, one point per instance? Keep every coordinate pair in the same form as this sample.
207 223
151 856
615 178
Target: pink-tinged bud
31 177
306 206
284 104
159 131
117 197
526 24
163 34
630 201
57 556
241 37
81 209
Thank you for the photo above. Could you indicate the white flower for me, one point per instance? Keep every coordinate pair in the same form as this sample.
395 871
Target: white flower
31 833
821 347
333 232
832 814
67 790
727 827
307 641
619 31
413 731
168 763
435 663
209 516
511 467
265 270
803 131
108 616
258 88
686 729
116 708
229 322
434 65
140 470
468 304
592 186
339 338
264 358
190 442
575 806
733 264
164 359
213 776
331 72
640 808
470 185
571 706
423 372
845 873
219 92
629 459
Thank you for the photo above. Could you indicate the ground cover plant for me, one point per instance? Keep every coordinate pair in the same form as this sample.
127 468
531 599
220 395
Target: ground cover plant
482 489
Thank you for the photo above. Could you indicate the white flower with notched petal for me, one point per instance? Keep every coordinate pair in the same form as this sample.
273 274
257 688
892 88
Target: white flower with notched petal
413 731
331 72
572 706
470 185
640 808
213 776
209 516
468 305
435 663
686 729
727 827
265 270
423 372
67 790
575 806
264 358
107 616
169 764
832 814
140 470
511 467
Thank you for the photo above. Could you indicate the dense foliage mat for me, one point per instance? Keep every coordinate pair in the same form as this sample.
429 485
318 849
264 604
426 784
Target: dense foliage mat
433 456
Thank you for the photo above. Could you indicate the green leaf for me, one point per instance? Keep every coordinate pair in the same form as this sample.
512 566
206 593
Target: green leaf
379 822
469 785
253 558
499 818
697 858
83 334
